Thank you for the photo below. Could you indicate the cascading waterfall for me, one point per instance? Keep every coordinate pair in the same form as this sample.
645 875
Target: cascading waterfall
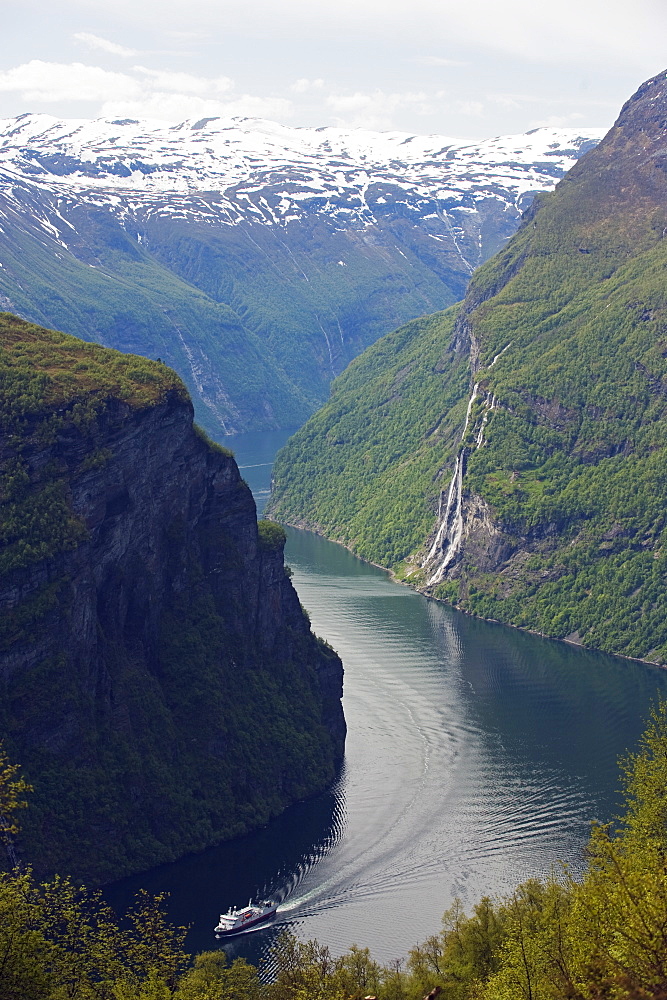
449 535
448 538
491 403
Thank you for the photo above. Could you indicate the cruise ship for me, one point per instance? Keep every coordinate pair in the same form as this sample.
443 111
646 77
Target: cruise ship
234 921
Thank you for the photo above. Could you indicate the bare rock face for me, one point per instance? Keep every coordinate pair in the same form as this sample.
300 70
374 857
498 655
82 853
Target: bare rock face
160 682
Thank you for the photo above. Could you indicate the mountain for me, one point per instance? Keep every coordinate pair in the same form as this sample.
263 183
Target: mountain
255 259
159 681
508 455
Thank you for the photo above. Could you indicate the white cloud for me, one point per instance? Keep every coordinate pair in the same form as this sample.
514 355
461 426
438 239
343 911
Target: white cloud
95 42
184 82
375 109
303 85
438 61
146 94
52 82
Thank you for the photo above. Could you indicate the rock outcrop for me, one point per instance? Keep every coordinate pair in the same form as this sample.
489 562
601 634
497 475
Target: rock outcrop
160 682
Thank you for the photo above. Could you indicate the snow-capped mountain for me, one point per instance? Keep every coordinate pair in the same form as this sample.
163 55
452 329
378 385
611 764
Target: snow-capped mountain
263 172
256 258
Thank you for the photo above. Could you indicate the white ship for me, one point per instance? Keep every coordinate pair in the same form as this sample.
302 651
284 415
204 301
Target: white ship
234 921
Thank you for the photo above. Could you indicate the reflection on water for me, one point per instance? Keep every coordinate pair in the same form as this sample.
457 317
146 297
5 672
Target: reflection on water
476 756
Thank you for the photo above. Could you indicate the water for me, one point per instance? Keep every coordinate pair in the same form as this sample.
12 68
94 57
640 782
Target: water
254 454
476 756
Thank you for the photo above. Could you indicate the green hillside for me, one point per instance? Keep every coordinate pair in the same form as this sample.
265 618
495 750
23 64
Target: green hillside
361 470
562 508
255 323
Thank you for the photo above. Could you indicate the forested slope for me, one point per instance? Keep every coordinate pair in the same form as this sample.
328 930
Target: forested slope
536 484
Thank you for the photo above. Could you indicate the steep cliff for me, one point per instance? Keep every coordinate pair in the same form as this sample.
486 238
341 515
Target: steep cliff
537 412
159 680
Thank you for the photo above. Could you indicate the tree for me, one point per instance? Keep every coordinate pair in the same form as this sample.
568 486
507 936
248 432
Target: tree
619 925
212 979
13 790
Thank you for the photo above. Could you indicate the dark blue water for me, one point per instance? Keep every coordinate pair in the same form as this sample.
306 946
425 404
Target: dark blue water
477 756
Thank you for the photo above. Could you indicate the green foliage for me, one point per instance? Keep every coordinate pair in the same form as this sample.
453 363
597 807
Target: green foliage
13 790
212 979
305 970
271 535
361 470
60 941
572 465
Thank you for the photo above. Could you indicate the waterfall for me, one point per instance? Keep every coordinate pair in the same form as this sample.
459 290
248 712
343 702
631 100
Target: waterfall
449 533
500 354
490 406
448 537
452 499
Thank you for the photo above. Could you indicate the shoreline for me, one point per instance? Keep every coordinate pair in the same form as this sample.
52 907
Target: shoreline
304 526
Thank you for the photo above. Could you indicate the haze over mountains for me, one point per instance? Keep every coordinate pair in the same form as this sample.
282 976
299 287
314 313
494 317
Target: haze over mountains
255 259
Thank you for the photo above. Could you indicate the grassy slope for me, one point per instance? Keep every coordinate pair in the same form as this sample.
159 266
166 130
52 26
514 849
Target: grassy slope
574 465
54 370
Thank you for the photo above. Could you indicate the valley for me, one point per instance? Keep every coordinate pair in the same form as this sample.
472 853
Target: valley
255 259
172 687
476 757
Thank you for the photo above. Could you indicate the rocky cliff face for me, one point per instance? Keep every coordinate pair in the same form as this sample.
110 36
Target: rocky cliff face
160 682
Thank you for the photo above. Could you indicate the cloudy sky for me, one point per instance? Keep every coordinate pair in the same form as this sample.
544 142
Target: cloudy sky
465 69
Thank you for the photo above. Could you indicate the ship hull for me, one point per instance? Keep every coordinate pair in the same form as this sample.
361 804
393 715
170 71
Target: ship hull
260 919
